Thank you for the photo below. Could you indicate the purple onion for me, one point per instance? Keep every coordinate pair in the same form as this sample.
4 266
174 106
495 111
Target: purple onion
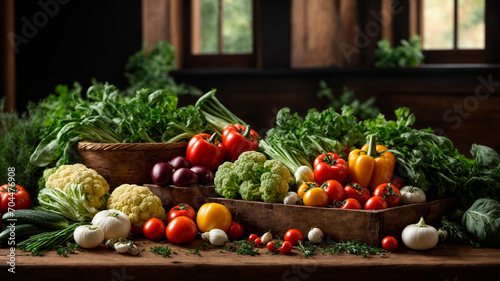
205 175
184 177
180 162
161 173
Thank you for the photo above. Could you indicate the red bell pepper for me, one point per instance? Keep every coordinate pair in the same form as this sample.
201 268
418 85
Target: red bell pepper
238 139
205 150
330 166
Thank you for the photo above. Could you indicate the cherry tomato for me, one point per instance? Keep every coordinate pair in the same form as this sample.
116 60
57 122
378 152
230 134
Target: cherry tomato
272 247
390 243
334 190
13 198
304 187
154 229
181 210
315 197
213 215
356 191
389 192
351 203
235 231
294 236
252 237
258 241
286 247
181 230
376 203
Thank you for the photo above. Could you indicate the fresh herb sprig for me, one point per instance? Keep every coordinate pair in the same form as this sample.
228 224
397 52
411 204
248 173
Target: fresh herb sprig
307 249
40 243
352 247
69 248
241 247
164 250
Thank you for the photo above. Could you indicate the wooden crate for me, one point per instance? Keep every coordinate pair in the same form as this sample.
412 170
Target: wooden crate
369 226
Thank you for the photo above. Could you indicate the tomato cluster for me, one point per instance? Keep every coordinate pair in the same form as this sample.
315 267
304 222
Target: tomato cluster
183 223
350 196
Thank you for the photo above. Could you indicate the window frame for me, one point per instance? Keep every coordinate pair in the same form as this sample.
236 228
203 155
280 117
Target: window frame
191 60
454 55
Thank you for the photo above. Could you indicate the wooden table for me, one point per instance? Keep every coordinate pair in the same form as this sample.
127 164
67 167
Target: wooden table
445 262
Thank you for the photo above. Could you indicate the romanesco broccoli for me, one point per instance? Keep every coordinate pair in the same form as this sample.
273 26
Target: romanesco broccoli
138 202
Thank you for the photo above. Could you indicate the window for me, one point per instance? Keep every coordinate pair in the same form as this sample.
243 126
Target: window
222 34
452 30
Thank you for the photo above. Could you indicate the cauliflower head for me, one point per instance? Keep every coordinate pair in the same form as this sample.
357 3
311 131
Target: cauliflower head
138 202
94 185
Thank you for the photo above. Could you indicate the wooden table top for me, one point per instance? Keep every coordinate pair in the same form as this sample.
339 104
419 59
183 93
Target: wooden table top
444 262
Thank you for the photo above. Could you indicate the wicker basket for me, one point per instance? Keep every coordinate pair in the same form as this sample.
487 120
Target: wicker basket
130 163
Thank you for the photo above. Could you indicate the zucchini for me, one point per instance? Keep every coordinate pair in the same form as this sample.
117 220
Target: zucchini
22 232
41 218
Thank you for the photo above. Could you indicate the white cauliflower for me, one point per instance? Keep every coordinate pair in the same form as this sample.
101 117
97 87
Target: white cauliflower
93 185
138 202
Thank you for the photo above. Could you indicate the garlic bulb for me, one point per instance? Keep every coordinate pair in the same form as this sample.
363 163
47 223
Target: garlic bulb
291 198
315 235
217 237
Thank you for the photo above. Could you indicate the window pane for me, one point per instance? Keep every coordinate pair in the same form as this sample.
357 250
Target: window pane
209 26
237 26
438 24
471 24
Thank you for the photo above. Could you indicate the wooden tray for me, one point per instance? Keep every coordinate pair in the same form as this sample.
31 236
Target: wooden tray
337 224
172 195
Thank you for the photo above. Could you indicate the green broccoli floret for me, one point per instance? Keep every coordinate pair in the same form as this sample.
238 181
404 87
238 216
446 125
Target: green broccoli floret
253 177
249 166
226 181
250 191
274 182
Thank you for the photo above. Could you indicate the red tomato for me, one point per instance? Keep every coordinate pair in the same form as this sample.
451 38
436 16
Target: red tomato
286 247
258 241
181 230
205 150
13 198
330 167
389 192
272 247
154 229
398 181
252 237
294 236
390 243
334 190
376 203
356 191
238 139
235 231
351 203
181 210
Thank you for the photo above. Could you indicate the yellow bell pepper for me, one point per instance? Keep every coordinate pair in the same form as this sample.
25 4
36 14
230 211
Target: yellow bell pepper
371 165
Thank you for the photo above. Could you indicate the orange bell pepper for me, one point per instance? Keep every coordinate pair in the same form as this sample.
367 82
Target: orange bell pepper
371 165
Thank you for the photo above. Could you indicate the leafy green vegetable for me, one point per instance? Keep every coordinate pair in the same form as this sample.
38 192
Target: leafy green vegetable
297 141
409 53
108 116
152 70
482 220
217 115
362 110
457 233
19 136
425 159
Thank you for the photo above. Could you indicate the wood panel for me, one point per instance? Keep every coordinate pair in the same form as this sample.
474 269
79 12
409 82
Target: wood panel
7 54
